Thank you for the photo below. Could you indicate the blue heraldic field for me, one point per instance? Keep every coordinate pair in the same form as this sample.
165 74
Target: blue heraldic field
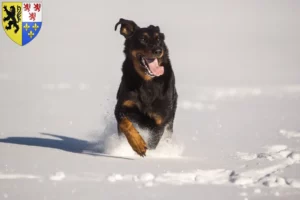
29 31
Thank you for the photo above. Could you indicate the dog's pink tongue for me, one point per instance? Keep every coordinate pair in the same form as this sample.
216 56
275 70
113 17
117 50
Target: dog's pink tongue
155 68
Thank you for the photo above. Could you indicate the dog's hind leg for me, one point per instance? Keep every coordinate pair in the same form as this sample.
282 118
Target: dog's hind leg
155 136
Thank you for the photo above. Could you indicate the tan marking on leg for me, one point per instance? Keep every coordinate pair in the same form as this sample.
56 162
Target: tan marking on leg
133 137
157 118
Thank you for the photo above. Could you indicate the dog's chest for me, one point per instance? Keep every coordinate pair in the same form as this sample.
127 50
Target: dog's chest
151 98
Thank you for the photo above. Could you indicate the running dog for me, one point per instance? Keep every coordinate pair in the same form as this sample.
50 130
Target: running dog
147 94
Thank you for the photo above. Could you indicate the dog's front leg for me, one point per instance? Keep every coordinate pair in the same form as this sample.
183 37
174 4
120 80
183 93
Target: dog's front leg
126 127
134 138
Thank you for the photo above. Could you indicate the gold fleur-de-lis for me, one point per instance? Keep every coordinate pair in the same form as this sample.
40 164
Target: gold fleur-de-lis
31 34
26 27
35 26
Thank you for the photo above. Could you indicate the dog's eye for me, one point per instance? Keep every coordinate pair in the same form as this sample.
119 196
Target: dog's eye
143 40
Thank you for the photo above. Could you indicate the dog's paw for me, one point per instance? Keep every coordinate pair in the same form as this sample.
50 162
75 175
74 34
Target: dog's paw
138 144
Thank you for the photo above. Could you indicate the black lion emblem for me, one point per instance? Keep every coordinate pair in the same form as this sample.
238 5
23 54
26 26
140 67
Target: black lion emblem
11 17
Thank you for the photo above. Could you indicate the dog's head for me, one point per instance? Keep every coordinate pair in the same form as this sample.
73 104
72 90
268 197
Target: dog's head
146 48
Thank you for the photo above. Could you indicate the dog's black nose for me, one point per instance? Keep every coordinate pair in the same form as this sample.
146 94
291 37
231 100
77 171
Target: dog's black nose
157 51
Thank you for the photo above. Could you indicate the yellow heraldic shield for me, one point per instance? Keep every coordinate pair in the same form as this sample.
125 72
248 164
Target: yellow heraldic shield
22 21
12 20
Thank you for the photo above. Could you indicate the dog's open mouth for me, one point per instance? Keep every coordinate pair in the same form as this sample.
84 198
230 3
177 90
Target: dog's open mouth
151 65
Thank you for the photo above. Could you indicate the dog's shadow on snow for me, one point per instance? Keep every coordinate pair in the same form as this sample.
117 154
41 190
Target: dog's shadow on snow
65 143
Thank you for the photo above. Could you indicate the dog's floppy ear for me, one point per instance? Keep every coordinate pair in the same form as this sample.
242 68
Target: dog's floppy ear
128 27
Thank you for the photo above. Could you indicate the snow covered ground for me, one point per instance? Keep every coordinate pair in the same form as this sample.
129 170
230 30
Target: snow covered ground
236 131
230 143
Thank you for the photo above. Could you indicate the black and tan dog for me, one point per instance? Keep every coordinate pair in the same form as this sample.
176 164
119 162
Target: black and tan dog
147 95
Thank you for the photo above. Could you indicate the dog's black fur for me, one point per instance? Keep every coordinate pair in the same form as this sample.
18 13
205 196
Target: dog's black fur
142 98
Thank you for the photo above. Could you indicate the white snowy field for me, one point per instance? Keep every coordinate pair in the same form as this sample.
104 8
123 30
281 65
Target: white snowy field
230 143
237 127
